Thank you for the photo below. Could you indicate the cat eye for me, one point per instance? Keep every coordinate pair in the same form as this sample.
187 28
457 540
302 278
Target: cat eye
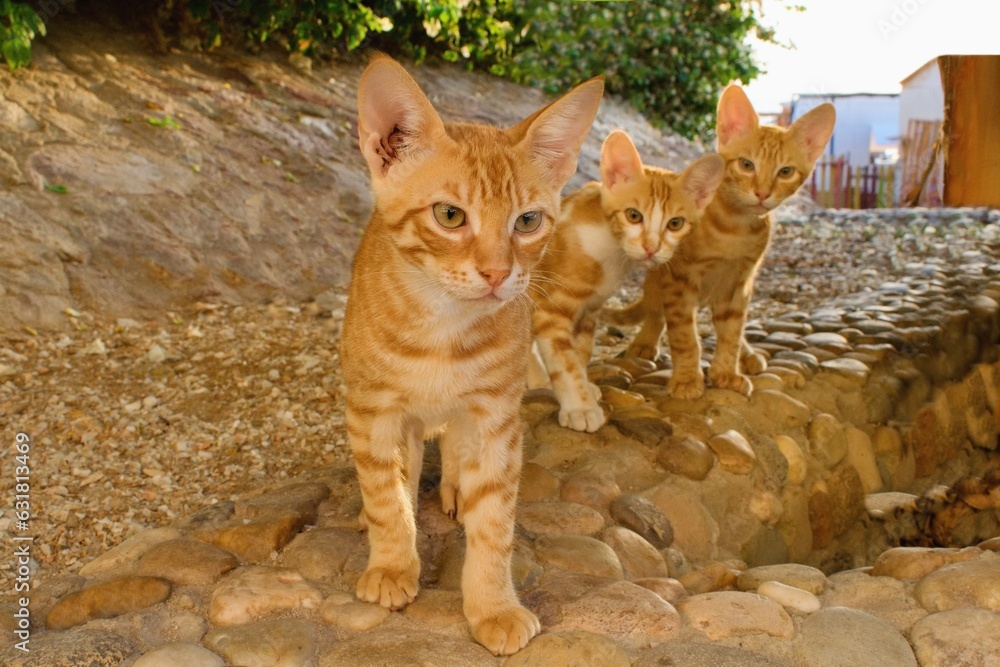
746 164
673 224
785 172
633 216
528 222
448 216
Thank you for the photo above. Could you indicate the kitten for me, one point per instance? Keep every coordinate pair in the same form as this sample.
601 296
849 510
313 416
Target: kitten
716 264
437 331
636 214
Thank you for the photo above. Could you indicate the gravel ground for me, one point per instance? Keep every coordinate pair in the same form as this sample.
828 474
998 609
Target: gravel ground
138 423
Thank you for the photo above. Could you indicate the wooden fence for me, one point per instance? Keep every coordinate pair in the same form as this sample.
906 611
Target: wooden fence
922 176
836 184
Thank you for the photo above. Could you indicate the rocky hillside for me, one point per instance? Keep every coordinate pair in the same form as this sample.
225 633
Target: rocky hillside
136 182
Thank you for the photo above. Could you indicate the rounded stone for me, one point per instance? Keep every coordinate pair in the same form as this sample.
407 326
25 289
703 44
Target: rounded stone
320 554
590 488
570 648
537 483
685 654
734 452
827 439
790 597
791 574
841 637
667 588
638 557
186 562
884 597
123 557
781 410
106 600
559 518
286 641
917 562
623 611
965 637
974 583
251 592
727 614
686 456
642 516
345 612
798 467
579 554
94 648
708 579
172 655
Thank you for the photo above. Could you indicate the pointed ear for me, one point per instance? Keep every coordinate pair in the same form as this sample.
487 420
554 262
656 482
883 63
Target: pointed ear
553 135
736 116
702 178
813 130
620 161
395 118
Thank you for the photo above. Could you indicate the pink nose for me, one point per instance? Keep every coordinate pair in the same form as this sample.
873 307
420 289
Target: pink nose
649 251
762 195
495 276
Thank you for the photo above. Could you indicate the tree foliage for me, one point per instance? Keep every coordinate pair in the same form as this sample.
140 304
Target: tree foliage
669 58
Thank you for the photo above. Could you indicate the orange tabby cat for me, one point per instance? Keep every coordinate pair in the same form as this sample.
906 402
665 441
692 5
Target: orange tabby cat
437 331
635 214
716 264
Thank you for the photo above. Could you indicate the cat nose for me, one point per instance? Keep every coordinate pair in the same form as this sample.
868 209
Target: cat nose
762 195
494 276
650 250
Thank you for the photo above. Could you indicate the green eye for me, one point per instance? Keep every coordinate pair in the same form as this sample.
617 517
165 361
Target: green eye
633 216
528 222
673 224
746 164
785 172
448 216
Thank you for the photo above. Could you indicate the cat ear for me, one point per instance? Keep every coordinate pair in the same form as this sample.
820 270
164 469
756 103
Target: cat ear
736 116
394 116
702 178
553 135
813 130
620 161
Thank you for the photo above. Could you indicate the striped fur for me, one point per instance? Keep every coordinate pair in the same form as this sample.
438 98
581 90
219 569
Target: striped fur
437 330
716 264
637 214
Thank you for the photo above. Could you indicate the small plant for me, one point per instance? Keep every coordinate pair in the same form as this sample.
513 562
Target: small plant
19 24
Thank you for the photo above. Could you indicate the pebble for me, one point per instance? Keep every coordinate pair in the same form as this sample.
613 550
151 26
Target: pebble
107 599
300 498
639 558
570 648
800 576
251 592
557 518
965 637
186 562
667 588
790 597
884 597
784 412
686 456
321 554
644 518
288 642
726 614
624 611
440 611
712 577
580 554
537 483
798 467
973 583
174 655
734 452
917 562
645 424
595 490
841 637
254 540
123 557
343 611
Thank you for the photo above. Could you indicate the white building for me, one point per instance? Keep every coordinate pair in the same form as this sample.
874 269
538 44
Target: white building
867 126
922 97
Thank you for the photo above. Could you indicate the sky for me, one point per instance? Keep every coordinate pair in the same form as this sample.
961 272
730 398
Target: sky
865 46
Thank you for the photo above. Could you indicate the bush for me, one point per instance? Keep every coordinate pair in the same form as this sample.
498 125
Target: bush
19 24
669 58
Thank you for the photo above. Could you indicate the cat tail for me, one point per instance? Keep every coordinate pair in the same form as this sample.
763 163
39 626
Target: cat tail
630 315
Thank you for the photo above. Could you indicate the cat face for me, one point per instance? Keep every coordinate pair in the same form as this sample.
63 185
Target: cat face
765 165
469 208
652 209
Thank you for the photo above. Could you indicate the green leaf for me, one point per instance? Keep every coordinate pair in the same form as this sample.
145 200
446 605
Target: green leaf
58 189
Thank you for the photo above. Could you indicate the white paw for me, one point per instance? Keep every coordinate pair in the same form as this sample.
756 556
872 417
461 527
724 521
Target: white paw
585 419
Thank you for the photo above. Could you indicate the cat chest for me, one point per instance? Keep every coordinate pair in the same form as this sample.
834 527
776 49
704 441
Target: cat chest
597 245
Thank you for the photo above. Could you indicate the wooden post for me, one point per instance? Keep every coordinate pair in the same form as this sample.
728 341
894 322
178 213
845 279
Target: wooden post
971 130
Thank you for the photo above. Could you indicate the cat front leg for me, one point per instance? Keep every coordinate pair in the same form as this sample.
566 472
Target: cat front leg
729 316
680 307
577 396
751 361
646 343
489 475
393 572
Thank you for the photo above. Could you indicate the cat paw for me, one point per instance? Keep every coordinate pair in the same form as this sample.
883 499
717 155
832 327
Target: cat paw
687 389
595 392
390 587
733 381
507 632
754 364
585 419
642 350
